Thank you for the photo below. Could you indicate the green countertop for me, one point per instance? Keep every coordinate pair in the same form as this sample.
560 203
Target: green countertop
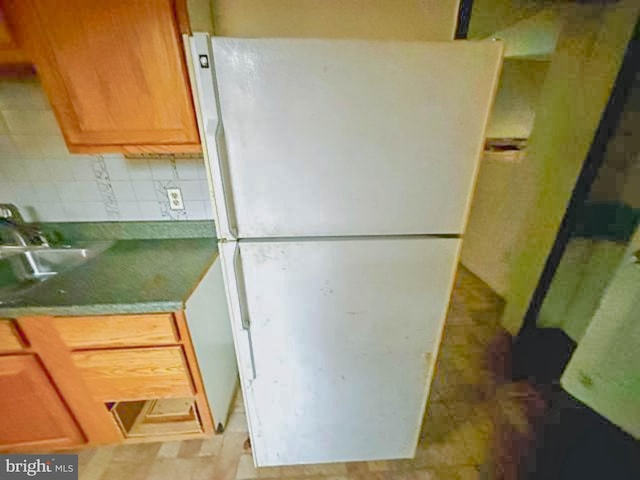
132 276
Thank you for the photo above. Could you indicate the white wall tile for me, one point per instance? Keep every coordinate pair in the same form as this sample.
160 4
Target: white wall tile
191 169
38 173
31 121
60 169
138 169
30 145
82 167
144 190
22 94
44 192
123 190
8 148
150 210
196 210
23 194
4 129
192 190
54 146
35 145
95 212
117 167
6 191
51 212
79 191
15 169
37 170
129 211
161 169
74 211
208 210
30 213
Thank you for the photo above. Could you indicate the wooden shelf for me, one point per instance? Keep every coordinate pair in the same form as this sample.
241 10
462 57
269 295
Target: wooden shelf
157 417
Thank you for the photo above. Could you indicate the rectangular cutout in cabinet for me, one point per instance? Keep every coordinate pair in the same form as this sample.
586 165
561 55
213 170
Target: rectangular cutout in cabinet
158 417
10 340
117 330
135 373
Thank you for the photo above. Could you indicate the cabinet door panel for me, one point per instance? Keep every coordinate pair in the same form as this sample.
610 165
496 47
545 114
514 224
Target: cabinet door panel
135 373
113 70
117 330
9 338
33 414
10 51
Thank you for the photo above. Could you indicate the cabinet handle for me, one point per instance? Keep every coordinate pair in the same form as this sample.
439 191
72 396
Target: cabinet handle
238 309
242 295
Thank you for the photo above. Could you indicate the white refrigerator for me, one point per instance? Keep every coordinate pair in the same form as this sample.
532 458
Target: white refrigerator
342 173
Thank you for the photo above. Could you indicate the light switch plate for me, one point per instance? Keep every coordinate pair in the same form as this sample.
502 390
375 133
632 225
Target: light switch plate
175 199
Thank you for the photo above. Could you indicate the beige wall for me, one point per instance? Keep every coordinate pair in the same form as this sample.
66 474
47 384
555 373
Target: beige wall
517 98
373 19
489 16
490 238
491 235
578 84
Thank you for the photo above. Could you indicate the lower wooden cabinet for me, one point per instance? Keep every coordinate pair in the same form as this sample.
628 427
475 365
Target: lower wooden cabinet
34 416
66 382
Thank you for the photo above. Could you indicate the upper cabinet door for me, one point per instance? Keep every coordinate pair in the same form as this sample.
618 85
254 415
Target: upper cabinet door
113 70
10 51
350 137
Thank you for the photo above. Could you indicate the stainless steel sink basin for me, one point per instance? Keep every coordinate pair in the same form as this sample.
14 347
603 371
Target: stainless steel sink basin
22 267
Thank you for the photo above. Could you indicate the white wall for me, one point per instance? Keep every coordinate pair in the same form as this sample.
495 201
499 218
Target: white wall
517 98
578 84
490 238
491 235
372 19
38 174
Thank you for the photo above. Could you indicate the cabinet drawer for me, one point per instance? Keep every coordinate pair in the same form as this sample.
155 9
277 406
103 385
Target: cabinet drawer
135 373
117 330
9 338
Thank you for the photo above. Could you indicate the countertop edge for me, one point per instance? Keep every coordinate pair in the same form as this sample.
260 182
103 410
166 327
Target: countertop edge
114 307
95 309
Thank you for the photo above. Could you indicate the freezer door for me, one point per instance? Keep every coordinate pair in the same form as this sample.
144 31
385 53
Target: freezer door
347 137
344 334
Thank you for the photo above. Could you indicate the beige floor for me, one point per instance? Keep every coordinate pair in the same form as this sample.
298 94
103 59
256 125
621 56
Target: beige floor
455 435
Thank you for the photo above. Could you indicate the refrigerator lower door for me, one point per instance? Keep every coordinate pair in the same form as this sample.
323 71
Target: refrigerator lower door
344 137
337 343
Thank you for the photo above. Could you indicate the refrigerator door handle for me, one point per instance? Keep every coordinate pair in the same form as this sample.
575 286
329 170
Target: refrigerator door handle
238 308
242 295
213 141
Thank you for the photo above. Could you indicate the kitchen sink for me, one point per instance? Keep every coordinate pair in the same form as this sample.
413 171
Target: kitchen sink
23 267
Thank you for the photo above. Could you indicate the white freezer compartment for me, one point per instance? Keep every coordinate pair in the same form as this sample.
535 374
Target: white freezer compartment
338 344
345 137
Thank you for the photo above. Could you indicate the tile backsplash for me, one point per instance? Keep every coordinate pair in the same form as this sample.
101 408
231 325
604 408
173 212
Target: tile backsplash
47 183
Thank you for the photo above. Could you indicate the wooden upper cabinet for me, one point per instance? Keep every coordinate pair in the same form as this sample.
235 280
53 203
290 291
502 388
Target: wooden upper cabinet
34 416
114 72
10 52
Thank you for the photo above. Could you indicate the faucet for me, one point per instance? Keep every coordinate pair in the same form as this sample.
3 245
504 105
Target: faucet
14 232
19 233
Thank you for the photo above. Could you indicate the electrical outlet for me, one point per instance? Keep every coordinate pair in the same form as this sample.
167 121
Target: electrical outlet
175 199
